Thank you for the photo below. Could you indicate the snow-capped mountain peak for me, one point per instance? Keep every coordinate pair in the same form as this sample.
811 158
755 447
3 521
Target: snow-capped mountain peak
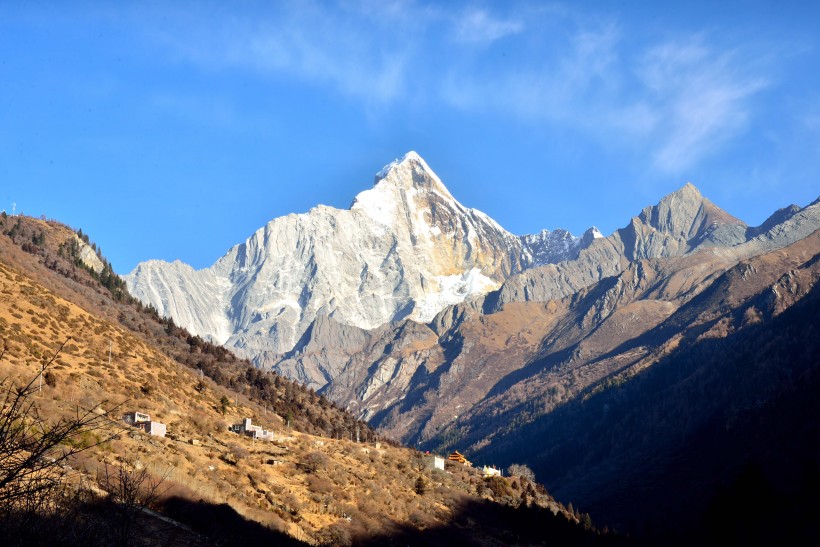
552 247
405 161
405 249
405 182
411 173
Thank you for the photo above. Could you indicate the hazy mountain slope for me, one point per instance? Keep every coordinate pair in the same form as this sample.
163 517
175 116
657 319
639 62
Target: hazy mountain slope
602 353
424 387
734 386
682 222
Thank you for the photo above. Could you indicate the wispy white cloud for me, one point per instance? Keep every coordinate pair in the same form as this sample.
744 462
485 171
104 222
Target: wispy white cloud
701 99
678 101
339 48
478 26
568 81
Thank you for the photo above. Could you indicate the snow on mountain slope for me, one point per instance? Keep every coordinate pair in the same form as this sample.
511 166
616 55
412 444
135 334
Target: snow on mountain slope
547 247
405 249
191 297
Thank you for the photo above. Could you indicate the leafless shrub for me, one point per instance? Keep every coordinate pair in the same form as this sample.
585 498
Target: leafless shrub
421 520
33 451
292 504
315 461
320 485
132 491
521 470
337 535
499 487
239 451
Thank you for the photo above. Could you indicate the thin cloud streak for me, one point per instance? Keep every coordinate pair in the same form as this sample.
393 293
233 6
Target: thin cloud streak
701 98
334 49
681 101
477 26
678 102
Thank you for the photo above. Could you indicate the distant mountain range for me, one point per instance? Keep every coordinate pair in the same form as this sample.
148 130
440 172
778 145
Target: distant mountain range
446 331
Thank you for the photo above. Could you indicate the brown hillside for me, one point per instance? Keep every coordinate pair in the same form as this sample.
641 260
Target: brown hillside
314 482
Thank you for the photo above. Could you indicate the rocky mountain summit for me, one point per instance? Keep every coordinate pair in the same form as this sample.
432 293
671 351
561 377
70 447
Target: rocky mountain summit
406 249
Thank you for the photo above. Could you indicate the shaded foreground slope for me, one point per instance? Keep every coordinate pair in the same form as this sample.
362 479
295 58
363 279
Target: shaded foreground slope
730 409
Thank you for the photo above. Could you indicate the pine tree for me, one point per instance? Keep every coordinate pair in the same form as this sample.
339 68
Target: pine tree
421 486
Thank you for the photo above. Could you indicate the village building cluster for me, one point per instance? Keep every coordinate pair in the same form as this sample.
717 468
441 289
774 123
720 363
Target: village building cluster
256 432
246 427
143 421
437 462
458 457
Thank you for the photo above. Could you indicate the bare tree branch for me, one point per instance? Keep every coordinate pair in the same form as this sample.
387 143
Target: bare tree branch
33 450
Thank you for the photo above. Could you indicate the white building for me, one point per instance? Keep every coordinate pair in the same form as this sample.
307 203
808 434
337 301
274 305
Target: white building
435 462
133 418
252 431
490 472
143 421
156 429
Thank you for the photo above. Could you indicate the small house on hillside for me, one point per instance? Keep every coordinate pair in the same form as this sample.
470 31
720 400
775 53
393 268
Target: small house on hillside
156 429
133 418
458 458
434 462
143 421
245 427
491 471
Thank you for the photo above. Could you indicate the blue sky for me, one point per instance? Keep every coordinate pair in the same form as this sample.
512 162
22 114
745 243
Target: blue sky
174 130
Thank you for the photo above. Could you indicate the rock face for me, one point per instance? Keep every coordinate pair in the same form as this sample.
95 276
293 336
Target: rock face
406 249
547 247
681 223
88 256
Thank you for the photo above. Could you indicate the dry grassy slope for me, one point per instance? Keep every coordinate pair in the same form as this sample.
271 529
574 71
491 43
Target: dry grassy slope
360 489
55 268
33 324
89 296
